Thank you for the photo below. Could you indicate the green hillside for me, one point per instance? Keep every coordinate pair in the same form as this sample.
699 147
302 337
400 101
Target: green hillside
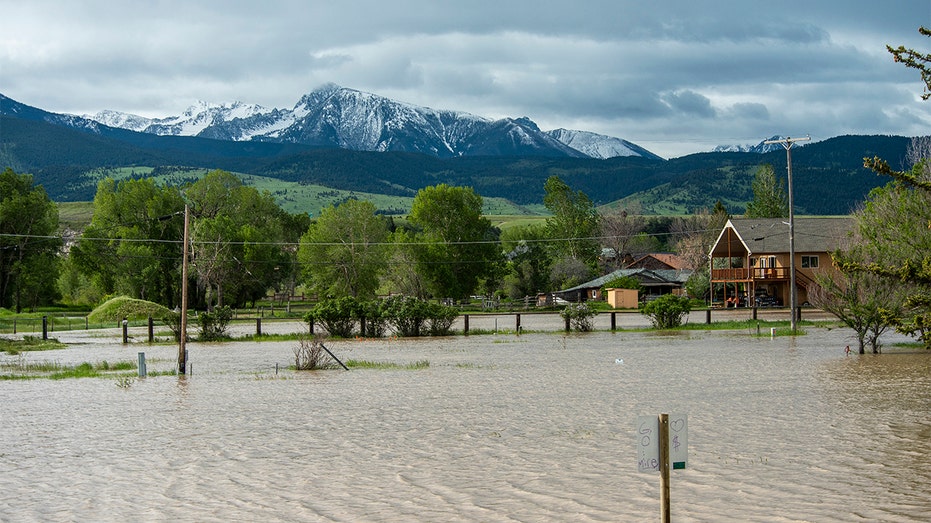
828 176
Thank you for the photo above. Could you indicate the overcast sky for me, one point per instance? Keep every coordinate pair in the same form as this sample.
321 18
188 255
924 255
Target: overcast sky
674 77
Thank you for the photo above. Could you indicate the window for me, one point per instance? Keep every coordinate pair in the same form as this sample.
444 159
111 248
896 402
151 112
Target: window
809 262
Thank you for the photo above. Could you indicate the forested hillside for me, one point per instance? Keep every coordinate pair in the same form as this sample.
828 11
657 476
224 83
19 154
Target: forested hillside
828 176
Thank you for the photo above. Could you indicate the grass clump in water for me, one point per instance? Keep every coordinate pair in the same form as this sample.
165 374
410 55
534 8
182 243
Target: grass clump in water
29 343
23 370
383 365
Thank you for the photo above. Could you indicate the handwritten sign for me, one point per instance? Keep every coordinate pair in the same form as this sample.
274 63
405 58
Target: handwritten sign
647 433
678 441
647 444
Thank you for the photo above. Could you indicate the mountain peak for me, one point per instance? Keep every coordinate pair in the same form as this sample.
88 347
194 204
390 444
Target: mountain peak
335 116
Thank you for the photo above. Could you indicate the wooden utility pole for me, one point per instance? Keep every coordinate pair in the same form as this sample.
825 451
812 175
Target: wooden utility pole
182 350
793 292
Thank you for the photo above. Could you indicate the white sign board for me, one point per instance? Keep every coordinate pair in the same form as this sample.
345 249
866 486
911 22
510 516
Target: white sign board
678 441
647 433
647 444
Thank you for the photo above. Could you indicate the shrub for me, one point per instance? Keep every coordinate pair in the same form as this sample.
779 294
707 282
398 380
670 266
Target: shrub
310 355
580 315
406 314
441 318
173 320
338 316
410 316
376 320
213 325
667 311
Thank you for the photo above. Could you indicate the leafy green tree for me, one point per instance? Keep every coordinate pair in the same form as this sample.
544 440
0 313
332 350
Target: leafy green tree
457 246
29 244
400 277
345 250
896 225
528 261
238 237
770 199
132 246
862 301
573 228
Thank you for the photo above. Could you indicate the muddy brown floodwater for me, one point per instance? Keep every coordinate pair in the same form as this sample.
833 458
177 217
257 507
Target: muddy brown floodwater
537 427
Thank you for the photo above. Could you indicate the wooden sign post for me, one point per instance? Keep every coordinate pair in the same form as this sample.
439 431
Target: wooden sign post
662 443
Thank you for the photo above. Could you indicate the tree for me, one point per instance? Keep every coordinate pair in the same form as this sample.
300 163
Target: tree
132 246
915 60
29 244
528 261
769 195
238 237
574 226
345 250
620 229
457 246
896 223
861 301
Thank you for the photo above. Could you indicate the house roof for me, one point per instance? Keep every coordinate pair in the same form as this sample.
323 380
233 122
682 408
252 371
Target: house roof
647 278
749 236
673 261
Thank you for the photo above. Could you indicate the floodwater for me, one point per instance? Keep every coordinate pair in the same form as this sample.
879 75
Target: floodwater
537 427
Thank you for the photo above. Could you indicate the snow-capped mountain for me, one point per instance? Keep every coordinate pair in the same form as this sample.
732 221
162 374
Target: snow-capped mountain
599 145
760 148
192 122
335 116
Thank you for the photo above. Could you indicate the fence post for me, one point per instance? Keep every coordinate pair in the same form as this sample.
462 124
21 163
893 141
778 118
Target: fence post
517 323
258 326
465 326
151 330
754 313
311 322
125 330
568 328
44 327
613 321
708 316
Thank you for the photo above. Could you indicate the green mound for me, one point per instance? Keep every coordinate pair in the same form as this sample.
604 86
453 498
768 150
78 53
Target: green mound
115 309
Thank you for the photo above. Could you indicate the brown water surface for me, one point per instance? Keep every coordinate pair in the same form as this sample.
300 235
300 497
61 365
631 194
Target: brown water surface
538 427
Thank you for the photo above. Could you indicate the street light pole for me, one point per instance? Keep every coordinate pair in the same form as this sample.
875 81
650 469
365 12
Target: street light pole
793 292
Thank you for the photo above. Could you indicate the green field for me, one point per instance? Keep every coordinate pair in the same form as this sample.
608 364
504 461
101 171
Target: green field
291 196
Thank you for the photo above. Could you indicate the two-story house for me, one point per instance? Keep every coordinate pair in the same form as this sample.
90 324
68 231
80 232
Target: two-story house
751 258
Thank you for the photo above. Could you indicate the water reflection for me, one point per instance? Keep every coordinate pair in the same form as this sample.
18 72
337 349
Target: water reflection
537 428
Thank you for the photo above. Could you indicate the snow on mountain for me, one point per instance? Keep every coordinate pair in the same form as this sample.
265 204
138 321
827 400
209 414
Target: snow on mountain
760 148
335 116
122 120
599 145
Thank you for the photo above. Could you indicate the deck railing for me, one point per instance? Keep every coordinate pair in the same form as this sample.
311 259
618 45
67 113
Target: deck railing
755 273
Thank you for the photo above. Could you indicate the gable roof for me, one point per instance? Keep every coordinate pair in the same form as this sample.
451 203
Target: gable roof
771 235
651 260
647 278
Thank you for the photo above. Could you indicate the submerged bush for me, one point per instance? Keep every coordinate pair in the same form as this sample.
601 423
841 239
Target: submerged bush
214 325
309 354
338 316
667 311
580 315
